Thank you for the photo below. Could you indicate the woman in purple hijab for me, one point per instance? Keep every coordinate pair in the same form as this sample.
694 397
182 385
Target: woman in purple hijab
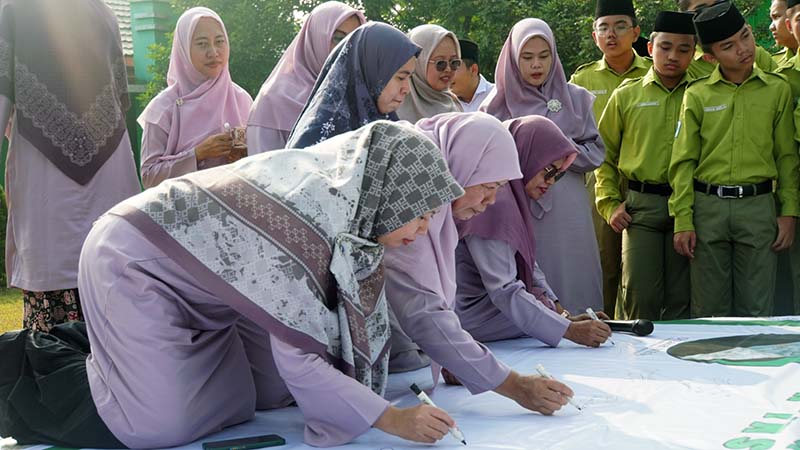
421 275
287 89
187 127
531 81
500 293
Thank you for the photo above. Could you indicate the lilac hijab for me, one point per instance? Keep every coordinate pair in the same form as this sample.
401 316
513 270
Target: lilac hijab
564 103
539 143
192 107
284 94
478 149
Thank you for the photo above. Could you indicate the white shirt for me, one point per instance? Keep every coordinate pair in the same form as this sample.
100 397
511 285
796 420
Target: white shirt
483 91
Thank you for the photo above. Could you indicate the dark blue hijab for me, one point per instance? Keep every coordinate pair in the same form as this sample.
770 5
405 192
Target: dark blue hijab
345 96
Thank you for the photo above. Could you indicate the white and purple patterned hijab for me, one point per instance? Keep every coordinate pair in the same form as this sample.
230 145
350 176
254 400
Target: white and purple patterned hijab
346 94
287 238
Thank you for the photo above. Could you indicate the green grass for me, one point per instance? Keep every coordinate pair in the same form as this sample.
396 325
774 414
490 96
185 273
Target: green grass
10 309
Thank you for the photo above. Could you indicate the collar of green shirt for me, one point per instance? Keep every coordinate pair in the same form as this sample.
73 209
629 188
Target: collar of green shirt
652 78
638 63
716 76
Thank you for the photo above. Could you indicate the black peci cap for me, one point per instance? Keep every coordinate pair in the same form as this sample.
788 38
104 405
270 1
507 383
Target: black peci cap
614 8
718 22
469 50
674 22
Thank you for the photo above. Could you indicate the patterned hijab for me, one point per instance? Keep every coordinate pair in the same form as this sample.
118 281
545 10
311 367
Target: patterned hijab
564 103
288 87
478 149
293 243
346 94
539 143
423 101
61 64
192 107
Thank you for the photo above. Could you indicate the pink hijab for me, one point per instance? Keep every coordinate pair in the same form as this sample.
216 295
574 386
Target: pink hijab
539 143
478 149
192 107
566 104
284 94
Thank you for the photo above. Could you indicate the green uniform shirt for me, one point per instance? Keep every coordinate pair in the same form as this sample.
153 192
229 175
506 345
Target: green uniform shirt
700 68
638 128
783 57
734 135
601 80
791 71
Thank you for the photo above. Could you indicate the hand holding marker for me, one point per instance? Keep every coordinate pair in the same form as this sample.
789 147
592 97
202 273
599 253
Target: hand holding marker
592 314
423 397
544 373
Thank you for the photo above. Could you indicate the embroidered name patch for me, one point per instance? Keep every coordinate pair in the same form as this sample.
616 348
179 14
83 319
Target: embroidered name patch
715 108
599 91
645 104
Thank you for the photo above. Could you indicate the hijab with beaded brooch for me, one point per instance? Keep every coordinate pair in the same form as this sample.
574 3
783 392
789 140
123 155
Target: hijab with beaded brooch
193 107
566 104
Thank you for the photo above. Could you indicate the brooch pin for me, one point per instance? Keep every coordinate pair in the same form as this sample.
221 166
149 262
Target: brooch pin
179 102
554 105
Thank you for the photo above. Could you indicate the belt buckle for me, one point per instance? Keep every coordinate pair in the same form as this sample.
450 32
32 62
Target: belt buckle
738 189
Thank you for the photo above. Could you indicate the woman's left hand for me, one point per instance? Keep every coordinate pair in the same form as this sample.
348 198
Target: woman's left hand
237 152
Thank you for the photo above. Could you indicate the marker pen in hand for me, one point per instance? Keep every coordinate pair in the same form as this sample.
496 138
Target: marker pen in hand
423 397
592 314
543 372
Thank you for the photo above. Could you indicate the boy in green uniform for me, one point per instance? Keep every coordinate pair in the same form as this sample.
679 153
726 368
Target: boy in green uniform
704 64
638 128
735 137
781 33
615 31
788 286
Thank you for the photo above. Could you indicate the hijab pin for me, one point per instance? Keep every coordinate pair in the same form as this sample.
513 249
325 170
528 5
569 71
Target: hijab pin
179 102
554 105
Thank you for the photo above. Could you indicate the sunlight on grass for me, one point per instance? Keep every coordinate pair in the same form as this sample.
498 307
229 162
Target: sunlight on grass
10 309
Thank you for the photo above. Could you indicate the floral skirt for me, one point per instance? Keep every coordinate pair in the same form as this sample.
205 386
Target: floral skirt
44 310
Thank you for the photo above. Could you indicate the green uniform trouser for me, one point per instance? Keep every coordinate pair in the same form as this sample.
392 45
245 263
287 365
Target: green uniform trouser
609 243
787 280
655 278
733 271
794 262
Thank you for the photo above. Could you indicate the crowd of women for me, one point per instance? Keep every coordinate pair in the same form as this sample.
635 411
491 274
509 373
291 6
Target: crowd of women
296 249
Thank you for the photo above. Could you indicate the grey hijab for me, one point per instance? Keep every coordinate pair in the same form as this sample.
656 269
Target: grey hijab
424 101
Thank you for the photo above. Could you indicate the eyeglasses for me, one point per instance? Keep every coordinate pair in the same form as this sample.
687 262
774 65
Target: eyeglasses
618 29
441 65
552 172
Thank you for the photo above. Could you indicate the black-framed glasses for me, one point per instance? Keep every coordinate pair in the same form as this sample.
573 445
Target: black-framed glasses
552 172
441 65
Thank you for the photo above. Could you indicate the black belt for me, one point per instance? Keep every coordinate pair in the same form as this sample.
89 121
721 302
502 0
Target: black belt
663 190
747 190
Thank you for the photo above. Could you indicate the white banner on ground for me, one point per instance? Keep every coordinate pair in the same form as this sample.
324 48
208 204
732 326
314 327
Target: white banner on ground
634 396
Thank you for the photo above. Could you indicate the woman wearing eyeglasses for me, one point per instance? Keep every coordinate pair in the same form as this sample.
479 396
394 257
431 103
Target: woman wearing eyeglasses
500 293
433 75
531 81
288 87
